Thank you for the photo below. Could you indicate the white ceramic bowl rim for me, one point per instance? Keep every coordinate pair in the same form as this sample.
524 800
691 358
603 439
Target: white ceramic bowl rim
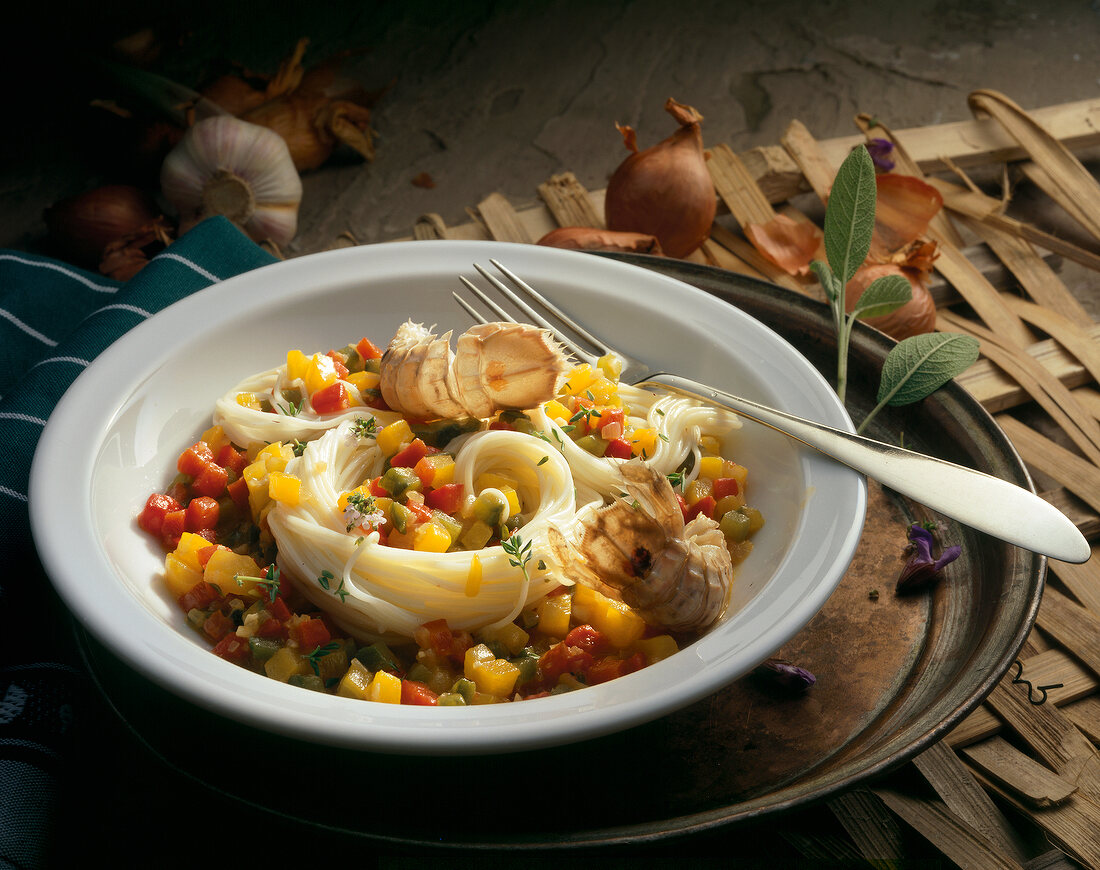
115 413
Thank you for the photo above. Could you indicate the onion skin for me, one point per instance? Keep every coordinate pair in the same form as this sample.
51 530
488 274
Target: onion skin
593 239
665 191
80 227
915 317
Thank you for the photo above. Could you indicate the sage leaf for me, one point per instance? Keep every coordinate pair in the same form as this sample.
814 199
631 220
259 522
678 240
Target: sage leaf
921 364
882 296
828 280
850 215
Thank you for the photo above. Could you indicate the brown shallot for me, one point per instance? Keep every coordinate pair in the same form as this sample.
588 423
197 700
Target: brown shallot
666 190
915 317
80 227
594 239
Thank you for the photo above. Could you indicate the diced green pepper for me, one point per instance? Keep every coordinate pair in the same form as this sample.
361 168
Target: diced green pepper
262 648
400 481
400 516
465 688
593 444
735 525
307 681
490 507
450 699
377 657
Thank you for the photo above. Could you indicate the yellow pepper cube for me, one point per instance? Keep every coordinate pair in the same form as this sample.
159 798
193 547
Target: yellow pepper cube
248 400
431 537
364 380
712 467
320 373
579 380
187 550
710 444
656 648
285 663
620 624
510 636
643 442
390 438
179 576
284 488
737 472
356 682
227 570
496 677
698 489
555 410
553 614
215 437
275 456
603 391
385 688
611 366
296 365
475 656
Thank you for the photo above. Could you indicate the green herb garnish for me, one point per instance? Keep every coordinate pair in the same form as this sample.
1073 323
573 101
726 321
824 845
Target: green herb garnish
314 658
270 579
364 428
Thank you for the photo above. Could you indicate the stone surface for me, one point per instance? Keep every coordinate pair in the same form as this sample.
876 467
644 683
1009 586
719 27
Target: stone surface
495 97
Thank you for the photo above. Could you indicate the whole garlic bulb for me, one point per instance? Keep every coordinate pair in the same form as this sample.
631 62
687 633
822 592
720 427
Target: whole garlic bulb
225 166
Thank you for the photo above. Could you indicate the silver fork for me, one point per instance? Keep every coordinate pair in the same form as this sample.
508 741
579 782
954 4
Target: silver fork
986 503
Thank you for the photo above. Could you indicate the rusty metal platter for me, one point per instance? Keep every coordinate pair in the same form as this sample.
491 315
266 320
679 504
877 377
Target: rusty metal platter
894 674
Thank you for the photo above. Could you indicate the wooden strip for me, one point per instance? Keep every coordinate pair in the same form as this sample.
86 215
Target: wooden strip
1066 332
501 220
1070 179
812 162
719 255
737 188
1072 626
1041 179
980 294
1082 580
1019 773
931 819
1080 514
430 226
569 202
994 270
1070 470
954 782
746 252
873 829
1052 668
1047 390
978 142
1085 714
1054 859
978 206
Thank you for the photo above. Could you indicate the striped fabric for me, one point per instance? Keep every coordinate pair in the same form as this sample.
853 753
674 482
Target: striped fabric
54 320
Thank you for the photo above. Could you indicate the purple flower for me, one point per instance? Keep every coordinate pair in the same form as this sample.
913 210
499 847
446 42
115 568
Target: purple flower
880 151
922 570
783 675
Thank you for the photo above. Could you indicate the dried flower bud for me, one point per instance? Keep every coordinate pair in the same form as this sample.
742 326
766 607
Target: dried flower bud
921 571
880 151
781 674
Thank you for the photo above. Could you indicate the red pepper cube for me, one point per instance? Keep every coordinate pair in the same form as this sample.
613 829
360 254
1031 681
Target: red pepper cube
331 399
151 518
229 457
217 625
446 498
238 491
563 659
618 449
377 490
589 639
200 596
411 455
273 629
413 692
367 349
704 506
211 481
338 364
234 649
312 633
195 458
204 554
173 527
202 513
278 608
724 486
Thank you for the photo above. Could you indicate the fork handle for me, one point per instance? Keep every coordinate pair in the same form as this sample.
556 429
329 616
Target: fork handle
974 498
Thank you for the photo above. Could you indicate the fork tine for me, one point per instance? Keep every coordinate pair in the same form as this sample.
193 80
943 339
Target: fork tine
473 312
544 302
485 300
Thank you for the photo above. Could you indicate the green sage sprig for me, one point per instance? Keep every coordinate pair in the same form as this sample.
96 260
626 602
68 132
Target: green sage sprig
916 366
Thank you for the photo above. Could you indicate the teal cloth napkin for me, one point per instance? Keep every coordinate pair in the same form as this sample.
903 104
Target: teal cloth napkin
54 320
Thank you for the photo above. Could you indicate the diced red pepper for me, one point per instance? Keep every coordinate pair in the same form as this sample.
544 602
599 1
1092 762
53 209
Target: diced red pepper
151 518
273 628
234 649
413 692
211 481
180 491
589 639
201 595
411 455
331 399
278 608
724 486
421 512
367 349
609 416
446 498
195 458
202 513
618 449
613 667
229 457
438 637
683 506
312 633
704 506
376 402
217 625
563 659
205 553
338 364
238 491
377 490
502 425
173 527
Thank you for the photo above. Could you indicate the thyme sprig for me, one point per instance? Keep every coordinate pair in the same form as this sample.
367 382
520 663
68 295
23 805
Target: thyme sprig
519 553
364 428
314 658
271 580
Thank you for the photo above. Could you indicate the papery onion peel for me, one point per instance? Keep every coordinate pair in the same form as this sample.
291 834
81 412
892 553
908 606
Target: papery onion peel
787 243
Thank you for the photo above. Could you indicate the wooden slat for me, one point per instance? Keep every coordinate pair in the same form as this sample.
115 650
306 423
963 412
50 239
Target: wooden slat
980 294
818 171
737 188
501 220
1073 472
1069 333
569 202
1085 714
1019 773
872 828
1082 580
748 254
1074 627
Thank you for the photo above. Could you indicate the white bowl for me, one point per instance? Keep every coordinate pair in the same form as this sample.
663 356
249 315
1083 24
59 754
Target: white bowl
115 436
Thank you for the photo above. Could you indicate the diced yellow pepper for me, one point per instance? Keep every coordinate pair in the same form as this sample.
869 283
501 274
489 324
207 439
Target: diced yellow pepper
356 682
506 485
602 390
359 491
390 438
187 550
712 466
296 365
710 444
473 577
179 576
224 566
215 437
285 663
385 688
476 655
555 410
611 366
509 635
643 442
553 613
656 648
616 620
579 380
284 488
248 400
431 537
320 373
698 489
496 677
364 380
276 455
